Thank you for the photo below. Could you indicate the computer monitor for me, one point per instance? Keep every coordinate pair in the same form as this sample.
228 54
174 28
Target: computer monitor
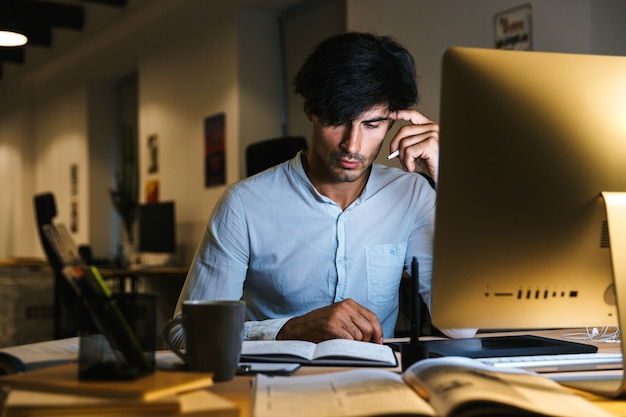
157 227
528 142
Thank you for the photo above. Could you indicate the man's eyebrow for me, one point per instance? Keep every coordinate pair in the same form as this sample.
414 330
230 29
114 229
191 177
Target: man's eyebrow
376 119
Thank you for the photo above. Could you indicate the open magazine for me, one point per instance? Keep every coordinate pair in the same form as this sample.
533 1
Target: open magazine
442 387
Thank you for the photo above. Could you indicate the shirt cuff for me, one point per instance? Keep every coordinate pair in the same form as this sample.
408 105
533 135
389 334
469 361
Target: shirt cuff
263 330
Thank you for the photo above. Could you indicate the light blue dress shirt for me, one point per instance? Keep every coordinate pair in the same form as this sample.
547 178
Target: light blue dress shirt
285 249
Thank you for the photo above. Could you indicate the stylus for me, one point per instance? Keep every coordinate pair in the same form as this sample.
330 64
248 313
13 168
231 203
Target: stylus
414 305
393 154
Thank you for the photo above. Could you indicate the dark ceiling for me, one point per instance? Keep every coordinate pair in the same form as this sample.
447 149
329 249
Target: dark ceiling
38 18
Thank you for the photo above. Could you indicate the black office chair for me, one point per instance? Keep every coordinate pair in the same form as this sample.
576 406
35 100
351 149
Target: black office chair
267 153
65 299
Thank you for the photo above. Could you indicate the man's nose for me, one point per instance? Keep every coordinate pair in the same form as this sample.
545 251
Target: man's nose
352 141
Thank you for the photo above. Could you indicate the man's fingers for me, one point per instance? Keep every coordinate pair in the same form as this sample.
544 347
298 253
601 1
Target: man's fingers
368 325
420 128
417 143
359 322
346 320
412 116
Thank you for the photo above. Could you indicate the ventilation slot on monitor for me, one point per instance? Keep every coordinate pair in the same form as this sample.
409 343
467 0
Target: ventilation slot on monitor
534 294
605 242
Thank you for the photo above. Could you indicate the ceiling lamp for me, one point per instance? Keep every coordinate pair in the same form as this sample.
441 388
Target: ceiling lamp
10 38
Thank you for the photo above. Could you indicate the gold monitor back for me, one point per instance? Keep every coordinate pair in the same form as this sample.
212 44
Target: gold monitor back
528 142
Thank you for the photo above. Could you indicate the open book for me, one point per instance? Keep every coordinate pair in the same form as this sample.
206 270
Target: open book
442 387
38 355
339 352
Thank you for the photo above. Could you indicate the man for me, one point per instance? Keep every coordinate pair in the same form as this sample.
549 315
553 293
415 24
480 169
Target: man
316 246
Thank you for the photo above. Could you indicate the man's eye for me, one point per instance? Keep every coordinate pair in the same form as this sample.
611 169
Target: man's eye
372 125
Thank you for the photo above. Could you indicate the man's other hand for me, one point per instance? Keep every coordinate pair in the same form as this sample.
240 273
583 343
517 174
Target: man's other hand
417 142
343 320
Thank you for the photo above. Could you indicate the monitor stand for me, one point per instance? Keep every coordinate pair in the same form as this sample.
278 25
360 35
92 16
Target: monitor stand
615 205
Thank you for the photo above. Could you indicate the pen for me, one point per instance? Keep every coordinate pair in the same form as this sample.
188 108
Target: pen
414 306
393 154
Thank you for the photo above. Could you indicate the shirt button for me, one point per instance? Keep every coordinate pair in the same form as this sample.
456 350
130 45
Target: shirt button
393 251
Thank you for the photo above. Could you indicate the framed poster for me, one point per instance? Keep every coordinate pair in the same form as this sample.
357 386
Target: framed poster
513 28
215 150
153 153
152 191
73 198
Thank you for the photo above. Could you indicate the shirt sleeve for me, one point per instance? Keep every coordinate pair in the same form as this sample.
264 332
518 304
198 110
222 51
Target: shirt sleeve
264 329
220 265
253 330
218 270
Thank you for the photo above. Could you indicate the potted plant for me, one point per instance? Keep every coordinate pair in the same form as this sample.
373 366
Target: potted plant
125 194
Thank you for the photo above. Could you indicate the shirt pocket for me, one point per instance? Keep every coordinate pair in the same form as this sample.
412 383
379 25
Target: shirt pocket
384 265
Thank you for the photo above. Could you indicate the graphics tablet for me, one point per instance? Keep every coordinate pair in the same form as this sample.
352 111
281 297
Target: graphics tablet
485 347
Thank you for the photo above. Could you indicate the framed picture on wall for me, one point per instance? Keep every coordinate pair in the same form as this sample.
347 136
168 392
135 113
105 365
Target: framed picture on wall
153 153
513 28
215 150
73 180
152 191
74 198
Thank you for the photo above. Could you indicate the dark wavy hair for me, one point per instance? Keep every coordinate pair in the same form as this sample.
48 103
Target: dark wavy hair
350 73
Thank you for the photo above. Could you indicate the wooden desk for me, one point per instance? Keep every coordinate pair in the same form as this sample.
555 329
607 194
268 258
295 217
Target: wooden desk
239 389
131 274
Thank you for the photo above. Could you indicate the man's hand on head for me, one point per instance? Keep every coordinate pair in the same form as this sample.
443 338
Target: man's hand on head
416 142
343 320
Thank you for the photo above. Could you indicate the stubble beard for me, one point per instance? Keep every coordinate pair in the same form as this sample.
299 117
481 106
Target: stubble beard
341 174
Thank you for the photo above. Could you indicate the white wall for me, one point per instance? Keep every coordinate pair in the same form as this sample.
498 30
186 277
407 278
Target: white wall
60 116
195 58
16 183
608 30
261 103
181 83
103 147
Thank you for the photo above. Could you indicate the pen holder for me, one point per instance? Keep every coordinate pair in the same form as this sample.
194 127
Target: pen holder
117 337
411 352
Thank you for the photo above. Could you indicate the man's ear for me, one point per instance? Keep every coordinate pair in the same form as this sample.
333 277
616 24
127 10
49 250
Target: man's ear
309 116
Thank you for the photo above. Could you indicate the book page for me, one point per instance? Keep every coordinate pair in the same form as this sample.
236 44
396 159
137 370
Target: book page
37 355
362 392
354 349
297 348
454 383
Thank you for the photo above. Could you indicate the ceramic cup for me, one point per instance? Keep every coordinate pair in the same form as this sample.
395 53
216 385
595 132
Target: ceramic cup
213 333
